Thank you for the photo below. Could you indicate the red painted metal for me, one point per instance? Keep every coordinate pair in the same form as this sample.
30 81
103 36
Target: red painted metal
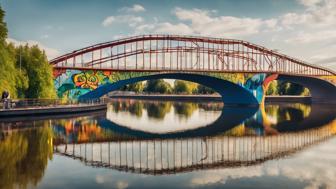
187 54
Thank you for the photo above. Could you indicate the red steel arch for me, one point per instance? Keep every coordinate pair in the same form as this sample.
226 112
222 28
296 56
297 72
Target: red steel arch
171 53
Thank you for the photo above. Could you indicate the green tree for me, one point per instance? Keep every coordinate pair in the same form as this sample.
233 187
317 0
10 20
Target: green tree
39 72
286 88
3 27
295 89
201 89
158 86
135 87
7 61
8 71
272 88
184 87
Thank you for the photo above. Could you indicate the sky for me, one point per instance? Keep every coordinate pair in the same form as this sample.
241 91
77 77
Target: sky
304 29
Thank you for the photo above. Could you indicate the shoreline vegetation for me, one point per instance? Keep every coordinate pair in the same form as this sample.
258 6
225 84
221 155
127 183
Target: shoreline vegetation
24 70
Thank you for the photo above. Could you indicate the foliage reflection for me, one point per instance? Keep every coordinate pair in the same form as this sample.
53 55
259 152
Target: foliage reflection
24 156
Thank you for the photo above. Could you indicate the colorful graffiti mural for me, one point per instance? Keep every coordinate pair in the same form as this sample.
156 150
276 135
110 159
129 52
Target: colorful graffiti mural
74 83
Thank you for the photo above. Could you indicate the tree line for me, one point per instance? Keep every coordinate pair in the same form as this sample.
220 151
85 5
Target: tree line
24 70
160 86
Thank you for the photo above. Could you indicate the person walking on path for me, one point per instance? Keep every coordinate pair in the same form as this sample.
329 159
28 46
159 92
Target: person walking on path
5 97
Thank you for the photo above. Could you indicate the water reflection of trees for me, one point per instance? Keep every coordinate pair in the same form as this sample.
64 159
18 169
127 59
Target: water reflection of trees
136 108
290 112
133 107
24 157
185 109
218 106
269 117
158 109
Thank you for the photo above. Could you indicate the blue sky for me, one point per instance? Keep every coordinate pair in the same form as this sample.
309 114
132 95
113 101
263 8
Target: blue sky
305 29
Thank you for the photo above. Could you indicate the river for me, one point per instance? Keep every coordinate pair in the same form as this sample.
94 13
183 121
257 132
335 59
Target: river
172 144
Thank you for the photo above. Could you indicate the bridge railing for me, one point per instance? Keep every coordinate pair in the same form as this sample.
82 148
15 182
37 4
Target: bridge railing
42 103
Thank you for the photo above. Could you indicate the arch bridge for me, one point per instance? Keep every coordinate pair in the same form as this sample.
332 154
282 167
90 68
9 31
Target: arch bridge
84 72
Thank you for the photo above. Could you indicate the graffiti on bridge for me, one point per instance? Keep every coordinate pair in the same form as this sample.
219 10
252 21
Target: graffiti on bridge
75 83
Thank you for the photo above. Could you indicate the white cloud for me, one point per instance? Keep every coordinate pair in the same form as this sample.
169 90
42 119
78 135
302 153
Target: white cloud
108 20
144 28
100 179
202 22
290 19
121 184
169 28
319 13
310 3
271 23
206 180
50 52
131 20
135 8
304 37
45 36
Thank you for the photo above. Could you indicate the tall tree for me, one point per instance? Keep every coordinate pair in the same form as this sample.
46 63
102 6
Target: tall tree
136 87
201 89
3 27
158 86
7 61
184 87
35 63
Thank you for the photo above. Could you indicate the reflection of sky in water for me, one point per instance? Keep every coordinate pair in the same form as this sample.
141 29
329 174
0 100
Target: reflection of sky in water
308 168
171 121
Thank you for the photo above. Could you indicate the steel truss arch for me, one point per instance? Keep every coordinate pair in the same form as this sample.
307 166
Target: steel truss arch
185 54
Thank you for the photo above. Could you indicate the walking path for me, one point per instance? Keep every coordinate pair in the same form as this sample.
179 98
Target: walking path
52 110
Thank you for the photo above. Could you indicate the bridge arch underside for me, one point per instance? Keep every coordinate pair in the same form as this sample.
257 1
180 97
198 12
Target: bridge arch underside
320 90
231 93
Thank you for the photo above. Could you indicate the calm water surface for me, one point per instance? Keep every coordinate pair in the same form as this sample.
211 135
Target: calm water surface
152 144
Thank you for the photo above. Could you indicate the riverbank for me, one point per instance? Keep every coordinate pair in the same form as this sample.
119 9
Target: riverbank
52 110
216 98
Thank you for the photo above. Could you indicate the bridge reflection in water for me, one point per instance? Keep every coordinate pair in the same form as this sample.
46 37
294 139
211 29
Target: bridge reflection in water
230 140
169 156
